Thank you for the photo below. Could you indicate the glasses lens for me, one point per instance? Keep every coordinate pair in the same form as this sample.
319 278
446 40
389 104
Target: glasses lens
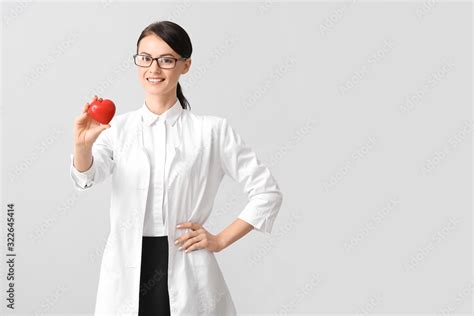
143 60
166 62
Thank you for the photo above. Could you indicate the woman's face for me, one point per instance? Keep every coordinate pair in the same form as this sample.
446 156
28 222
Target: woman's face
154 46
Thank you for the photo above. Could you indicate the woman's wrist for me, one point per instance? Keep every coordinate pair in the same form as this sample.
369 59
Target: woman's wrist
233 232
83 158
221 242
82 149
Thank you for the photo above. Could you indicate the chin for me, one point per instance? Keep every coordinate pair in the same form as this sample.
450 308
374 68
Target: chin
155 91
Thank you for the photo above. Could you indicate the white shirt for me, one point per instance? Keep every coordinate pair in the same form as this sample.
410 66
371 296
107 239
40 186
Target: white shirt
157 142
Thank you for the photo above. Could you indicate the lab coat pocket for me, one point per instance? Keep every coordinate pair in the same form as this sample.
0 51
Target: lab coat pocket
205 266
212 290
200 260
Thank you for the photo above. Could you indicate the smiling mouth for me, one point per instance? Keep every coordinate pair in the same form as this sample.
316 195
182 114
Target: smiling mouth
154 80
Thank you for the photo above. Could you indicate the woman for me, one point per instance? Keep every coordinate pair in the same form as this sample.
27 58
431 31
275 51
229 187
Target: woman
166 165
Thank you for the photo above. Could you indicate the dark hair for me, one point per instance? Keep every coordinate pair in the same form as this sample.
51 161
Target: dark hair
177 38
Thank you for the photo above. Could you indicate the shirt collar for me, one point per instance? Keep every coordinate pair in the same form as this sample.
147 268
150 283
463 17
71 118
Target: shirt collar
170 115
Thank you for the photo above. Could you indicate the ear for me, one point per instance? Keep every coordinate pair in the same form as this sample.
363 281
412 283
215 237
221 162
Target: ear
187 65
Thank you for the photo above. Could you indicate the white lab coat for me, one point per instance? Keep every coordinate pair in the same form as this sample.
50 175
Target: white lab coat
205 148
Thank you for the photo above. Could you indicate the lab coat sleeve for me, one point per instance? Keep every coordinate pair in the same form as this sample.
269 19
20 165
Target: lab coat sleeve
240 162
102 163
82 180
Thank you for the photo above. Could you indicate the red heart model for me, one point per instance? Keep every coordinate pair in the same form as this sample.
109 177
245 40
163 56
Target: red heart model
102 110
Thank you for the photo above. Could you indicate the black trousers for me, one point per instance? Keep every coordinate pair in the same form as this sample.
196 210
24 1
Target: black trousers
154 297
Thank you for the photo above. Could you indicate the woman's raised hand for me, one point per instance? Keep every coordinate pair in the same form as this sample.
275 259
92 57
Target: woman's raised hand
86 129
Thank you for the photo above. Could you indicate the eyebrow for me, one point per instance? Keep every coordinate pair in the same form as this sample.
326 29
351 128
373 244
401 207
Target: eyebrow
158 56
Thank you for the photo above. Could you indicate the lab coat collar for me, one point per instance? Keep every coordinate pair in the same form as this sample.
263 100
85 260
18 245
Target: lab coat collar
170 115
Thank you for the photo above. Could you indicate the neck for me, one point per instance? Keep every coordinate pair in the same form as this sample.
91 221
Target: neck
159 104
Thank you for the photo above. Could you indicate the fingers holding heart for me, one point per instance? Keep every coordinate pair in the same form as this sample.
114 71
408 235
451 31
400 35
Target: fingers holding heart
86 106
84 109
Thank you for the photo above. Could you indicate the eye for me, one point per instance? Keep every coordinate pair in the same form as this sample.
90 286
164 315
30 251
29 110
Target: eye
167 60
143 58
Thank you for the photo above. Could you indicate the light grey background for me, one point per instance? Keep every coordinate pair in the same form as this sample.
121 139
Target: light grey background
362 111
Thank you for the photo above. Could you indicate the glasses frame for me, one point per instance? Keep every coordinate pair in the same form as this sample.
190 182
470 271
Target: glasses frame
153 59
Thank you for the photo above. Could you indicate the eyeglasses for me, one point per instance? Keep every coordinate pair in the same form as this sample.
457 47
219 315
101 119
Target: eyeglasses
164 62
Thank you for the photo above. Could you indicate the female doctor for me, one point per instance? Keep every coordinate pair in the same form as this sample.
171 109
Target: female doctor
166 165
